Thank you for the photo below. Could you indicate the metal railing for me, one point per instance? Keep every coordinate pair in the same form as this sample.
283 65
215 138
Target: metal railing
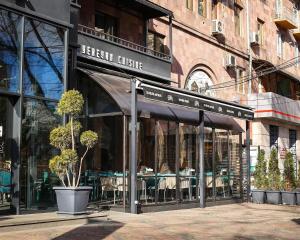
122 42
286 13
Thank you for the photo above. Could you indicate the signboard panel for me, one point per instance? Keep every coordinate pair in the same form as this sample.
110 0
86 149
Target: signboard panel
170 96
106 52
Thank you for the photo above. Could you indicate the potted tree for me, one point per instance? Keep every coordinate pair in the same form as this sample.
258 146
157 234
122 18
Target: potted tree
289 181
274 179
71 198
260 178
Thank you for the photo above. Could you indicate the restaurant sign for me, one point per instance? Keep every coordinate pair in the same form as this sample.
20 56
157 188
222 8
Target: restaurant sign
110 53
201 103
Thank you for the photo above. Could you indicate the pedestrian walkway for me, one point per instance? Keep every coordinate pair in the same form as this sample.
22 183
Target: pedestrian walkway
236 221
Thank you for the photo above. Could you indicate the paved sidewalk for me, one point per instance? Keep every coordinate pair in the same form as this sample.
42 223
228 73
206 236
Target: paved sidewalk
236 221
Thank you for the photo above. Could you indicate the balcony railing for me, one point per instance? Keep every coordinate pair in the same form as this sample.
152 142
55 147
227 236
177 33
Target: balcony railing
275 106
122 42
286 18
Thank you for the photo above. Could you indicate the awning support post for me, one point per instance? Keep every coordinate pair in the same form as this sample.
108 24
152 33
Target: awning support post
201 160
248 159
133 152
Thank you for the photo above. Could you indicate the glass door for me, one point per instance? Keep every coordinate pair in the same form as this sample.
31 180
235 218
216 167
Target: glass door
6 122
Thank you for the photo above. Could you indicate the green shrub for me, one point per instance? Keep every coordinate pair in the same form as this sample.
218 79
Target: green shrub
260 173
289 172
274 178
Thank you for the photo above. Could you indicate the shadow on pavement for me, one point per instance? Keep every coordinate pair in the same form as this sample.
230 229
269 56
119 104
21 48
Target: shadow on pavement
296 220
94 229
256 237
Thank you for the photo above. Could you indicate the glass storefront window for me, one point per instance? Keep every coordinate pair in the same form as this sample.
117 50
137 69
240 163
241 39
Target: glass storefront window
188 159
146 177
222 164
39 118
234 165
208 163
166 160
43 60
103 168
10 35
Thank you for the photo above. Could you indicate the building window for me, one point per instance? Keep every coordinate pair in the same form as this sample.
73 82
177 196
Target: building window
106 24
260 31
279 45
189 4
202 4
214 9
273 136
240 86
238 19
155 42
199 81
10 35
292 146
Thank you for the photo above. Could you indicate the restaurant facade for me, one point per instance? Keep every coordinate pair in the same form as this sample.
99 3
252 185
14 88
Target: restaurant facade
161 147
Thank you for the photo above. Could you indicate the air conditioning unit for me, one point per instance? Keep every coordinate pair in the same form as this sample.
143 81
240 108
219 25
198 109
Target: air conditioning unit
254 38
217 27
230 61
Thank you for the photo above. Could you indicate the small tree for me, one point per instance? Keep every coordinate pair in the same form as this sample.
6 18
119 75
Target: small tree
64 138
260 173
274 181
289 172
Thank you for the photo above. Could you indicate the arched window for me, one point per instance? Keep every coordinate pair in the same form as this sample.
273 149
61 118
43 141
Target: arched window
199 81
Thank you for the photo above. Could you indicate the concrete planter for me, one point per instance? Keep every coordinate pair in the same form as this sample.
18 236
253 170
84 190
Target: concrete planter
288 198
273 197
258 196
72 200
298 197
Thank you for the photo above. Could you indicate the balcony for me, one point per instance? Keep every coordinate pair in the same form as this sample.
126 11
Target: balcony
285 18
121 53
273 106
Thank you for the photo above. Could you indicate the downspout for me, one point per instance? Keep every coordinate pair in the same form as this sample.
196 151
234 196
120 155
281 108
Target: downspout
249 49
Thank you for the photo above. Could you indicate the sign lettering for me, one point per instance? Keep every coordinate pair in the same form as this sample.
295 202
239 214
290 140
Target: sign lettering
110 57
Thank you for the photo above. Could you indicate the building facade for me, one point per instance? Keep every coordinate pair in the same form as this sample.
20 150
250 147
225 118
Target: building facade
257 36
222 54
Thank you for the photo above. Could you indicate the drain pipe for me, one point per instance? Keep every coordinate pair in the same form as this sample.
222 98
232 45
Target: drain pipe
249 49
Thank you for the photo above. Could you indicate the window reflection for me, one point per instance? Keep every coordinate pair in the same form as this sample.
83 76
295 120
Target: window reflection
10 34
43 59
38 120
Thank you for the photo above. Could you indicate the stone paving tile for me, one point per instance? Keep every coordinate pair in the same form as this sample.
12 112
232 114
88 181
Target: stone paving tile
229 222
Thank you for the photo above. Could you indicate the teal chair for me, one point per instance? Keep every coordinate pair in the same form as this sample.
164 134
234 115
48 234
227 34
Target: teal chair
5 184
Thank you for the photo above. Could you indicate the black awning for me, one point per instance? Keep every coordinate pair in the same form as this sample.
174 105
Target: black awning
119 89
